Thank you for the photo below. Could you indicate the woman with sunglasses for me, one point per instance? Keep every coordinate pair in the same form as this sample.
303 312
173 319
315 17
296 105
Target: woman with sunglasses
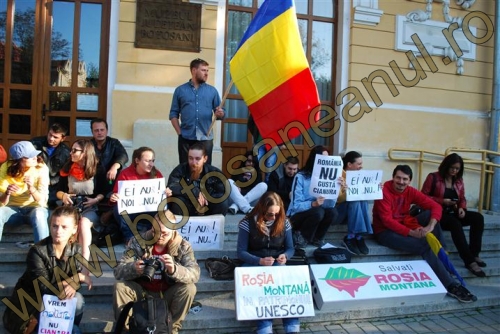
24 190
446 186
77 187
265 239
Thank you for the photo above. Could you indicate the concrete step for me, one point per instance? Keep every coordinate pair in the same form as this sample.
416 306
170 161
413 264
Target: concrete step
218 312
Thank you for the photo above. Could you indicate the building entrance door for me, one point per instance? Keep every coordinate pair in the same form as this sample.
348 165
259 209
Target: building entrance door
53 66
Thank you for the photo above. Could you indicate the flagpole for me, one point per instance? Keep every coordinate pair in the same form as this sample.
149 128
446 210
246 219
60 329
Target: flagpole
214 118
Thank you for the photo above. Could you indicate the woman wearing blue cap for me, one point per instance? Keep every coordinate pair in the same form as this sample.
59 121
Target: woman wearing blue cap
24 189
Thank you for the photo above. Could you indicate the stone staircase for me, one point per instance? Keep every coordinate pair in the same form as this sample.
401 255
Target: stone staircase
217 297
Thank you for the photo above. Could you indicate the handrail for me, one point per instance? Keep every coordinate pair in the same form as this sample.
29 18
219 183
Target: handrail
486 167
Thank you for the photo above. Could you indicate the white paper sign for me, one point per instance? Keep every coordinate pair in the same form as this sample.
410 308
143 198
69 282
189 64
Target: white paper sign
273 292
58 315
363 185
203 232
140 195
324 177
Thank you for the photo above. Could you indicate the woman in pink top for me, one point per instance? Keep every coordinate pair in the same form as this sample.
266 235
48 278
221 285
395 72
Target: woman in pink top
142 168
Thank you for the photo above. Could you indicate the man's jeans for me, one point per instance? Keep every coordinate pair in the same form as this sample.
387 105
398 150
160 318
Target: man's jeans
36 216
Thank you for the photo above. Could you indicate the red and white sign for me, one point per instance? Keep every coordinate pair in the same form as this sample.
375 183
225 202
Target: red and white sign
354 285
273 292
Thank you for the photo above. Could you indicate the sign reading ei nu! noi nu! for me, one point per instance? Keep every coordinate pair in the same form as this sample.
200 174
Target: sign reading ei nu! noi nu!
363 185
140 195
273 292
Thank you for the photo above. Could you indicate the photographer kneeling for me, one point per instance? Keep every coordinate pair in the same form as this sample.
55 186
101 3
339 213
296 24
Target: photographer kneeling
159 263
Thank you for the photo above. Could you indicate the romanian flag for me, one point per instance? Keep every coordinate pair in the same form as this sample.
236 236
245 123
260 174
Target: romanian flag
438 249
272 74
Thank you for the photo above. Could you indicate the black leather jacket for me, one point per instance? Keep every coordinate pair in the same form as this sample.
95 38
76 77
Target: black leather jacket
40 263
111 152
215 185
54 162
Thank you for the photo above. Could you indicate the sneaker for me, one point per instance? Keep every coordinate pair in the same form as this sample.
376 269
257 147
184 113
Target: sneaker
233 209
479 261
249 210
461 293
476 269
351 245
363 249
318 242
22 244
298 240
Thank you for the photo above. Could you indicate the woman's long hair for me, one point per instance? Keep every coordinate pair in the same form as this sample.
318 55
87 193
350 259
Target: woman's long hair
449 161
137 154
309 165
67 211
16 170
270 198
90 159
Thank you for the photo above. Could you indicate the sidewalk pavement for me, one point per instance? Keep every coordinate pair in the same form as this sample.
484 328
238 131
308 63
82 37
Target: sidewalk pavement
481 320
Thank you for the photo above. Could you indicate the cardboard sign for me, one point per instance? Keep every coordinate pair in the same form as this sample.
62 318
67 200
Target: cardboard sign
324 177
204 232
363 185
273 292
58 315
358 285
141 195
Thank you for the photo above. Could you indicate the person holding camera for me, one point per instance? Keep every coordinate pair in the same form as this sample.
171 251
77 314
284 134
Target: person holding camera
446 187
77 187
159 263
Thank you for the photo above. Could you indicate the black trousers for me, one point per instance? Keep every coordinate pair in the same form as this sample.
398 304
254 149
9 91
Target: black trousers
213 208
314 223
467 251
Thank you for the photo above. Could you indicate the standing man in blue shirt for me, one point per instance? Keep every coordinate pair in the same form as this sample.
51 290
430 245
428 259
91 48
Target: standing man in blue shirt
195 103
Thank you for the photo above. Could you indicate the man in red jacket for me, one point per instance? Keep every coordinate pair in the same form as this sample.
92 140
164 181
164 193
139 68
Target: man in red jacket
391 228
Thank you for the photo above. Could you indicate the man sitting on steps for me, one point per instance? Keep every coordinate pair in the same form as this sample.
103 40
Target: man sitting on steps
389 215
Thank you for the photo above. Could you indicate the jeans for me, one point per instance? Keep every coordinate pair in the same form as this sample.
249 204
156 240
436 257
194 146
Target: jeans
314 223
451 222
244 203
270 162
418 246
141 225
265 326
357 215
37 217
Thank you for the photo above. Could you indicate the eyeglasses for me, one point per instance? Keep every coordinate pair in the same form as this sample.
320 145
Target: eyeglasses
74 150
270 214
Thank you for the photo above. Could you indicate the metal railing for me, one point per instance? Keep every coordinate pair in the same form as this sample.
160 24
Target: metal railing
486 168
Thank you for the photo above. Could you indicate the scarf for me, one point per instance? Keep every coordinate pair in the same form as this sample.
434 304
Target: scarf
76 171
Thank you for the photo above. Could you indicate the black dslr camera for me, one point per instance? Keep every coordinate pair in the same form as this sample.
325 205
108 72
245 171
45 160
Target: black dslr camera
78 202
151 266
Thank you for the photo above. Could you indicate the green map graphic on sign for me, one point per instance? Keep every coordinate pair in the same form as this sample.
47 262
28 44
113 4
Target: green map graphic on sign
349 280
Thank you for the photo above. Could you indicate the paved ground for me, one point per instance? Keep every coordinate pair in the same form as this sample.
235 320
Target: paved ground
482 320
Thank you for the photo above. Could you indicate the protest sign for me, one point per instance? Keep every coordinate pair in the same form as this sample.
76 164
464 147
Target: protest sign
140 195
203 232
58 315
324 177
273 292
363 185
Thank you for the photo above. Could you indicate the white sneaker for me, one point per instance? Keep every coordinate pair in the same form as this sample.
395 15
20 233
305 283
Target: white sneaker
233 209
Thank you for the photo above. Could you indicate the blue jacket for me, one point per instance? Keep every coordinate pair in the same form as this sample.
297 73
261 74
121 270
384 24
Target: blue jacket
301 199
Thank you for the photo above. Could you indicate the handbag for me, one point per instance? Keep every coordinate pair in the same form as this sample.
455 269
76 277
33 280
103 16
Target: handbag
221 269
332 255
299 258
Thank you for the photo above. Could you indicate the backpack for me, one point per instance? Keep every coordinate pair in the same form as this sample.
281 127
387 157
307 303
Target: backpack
221 269
299 258
332 255
149 315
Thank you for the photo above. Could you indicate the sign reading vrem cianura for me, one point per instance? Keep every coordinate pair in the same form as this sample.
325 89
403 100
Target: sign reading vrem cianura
273 292
355 285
